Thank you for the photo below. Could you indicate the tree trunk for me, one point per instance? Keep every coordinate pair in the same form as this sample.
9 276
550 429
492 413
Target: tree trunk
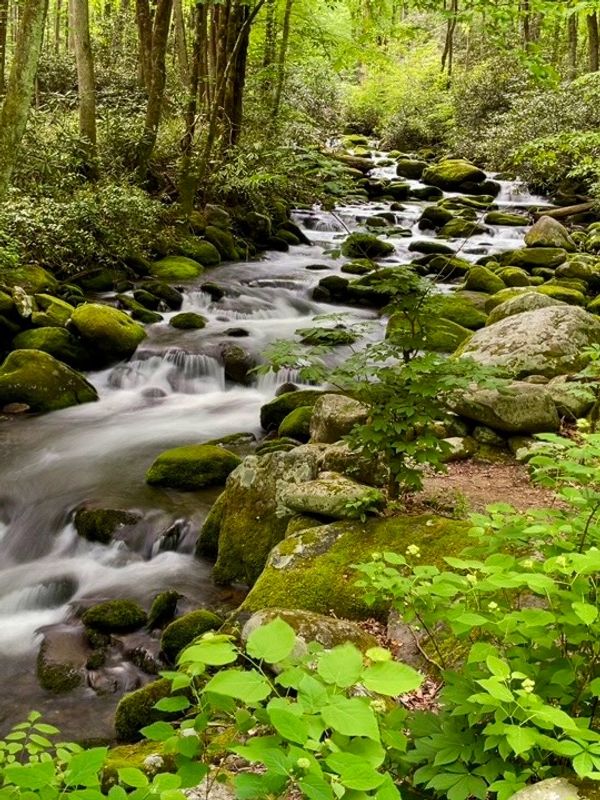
21 83
235 96
57 25
187 183
85 82
181 43
572 32
144 25
160 36
448 54
285 38
3 38
593 48
527 37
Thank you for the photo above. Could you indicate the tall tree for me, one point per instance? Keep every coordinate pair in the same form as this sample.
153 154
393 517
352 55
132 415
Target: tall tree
285 38
21 84
85 82
593 45
572 29
3 39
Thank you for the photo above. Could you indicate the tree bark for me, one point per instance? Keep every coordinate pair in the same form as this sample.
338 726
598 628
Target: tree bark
3 39
85 82
144 25
21 83
448 54
181 42
572 26
285 38
186 180
593 46
160 36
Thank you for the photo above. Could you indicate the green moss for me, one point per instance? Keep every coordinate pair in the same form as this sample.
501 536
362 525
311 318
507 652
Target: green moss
31 278
188 320
450 174
176 268
57 342
514 276
136 710
192 467
297 424
482 279
530 257
434 217
503 218
410 168
223 241
163 609
448 267
100 524
461 229
170 296
361 266
563 293
207 543
185 629
313 569
56 677
506 294
274 412
43 383
7 305
440 335
138 311
109 333
365 245
460 310
134 755
282 444
54 312
198 250
114 616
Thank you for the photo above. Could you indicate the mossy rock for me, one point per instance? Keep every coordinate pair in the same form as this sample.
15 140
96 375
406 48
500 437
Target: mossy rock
177 268
188 320
360 267
530 257
54 311
57 342
182 631
99 280
297 424
101 524
514 276
192 467
136 710
198 250
461 229
439 335
42 382
448 267
313 569
460 310
109 333
170 296
434 217
365 245
549 232
138 312
451 174
146 299
223 241
207 543
138 756
507 294
482 279
32 279
505 219
114 616
330 337
275 411
410 168
563 293
430 248
60 665
527 301
288 237
7 304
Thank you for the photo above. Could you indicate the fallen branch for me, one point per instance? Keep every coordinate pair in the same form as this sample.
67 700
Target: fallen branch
566 211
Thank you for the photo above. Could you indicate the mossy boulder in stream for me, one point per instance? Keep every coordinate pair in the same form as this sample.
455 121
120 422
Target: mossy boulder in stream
366 245
182 631
188 320
136 710
198 250
57 342
439 335
192 467
314 569
334 416
52 311
176 268
42 382
482 279
108 333
530 257
459 309
223 241
549 232
296 424
275 411
451 174
114 616
31 278
101 524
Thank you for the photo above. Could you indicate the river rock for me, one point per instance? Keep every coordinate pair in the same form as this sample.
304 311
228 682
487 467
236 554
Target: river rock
334 416
238 363
176 268
119 616
519 408
42 382
365 245
333 496
549 232
451 174
253 517
529 301
30 278
275 411
192 467
182 631
547 341
62 658
410 168
482 279
109 334
52 311
137 709
531 257
310 627
297 424
101 524
188 320
573 400
551 789
314 568
57 342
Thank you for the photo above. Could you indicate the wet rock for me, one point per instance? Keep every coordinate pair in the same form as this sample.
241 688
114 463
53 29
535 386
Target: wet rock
57 342
136 710
514 276
31 279
451 175
188 320
163 609
519 408
547 341
482 279
109 334
461 229
365 245
195 249
238 364
52 311
439 335
192 467
275 411
138 311
530 257
119 616
223 241
506 219
171 297
207 543
297 424
317 267
460 309
427 247
216 292
334 416
182 631
62 658
42 382
410 168
549 232
176 268
238 333
101 524
332 496
16 408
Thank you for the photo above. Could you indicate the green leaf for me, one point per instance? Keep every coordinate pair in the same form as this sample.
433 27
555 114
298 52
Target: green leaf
131 776
289 725
213 651
315 787
271 642
30 776
173 704
497 690
251 687
521 739
191 773
351 716
391 678
341 666
497 667
165 781
158 731
586 612
354 772
84 768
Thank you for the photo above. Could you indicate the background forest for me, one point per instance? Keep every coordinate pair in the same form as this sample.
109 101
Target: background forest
119 115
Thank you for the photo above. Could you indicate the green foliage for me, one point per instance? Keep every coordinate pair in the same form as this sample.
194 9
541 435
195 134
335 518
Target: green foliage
521 604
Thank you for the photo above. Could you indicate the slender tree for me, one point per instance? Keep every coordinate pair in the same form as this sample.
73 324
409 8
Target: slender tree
4 11
283 48
20 89
573 36
86 82
593 46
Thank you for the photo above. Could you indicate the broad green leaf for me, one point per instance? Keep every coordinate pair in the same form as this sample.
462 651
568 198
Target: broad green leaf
30 776
84 767
391 678
213 651
131 776
251 687
586 612
191 773
271 642
289 725
497 690
497 667
315 787
158 731
173 704
521 739
351 716
341 666
354 772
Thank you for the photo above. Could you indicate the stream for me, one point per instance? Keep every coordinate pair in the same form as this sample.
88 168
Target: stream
173 392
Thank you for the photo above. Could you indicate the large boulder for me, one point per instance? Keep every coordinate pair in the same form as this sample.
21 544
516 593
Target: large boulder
529 301
547 341
275 411
192 467
253 517
42 382
461 309
438 335
548 232
52 311
313 569
176 268
182 631
531 257
58 342
108 333
482 279
31 278
334 416
332 496
365 245
518 408
451 174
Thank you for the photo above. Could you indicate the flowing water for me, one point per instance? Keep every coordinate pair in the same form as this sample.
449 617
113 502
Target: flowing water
173 392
